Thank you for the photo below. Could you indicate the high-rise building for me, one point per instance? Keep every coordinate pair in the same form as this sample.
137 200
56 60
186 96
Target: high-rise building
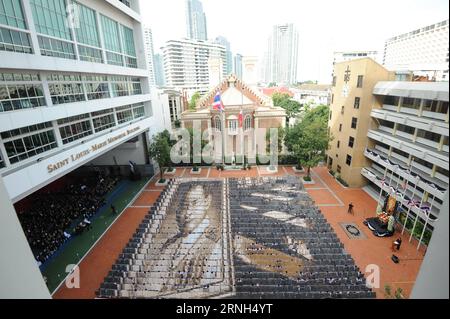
187 64
159 69
195 21
351 103
148 42
344 56
72 89
392 138
229 62
408 146
423 51
282 55
237 67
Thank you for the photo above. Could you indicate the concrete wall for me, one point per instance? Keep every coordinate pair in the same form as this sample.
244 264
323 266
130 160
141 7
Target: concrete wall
20 277
432 281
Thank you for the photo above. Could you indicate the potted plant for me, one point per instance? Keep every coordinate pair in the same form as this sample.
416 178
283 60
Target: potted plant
195 170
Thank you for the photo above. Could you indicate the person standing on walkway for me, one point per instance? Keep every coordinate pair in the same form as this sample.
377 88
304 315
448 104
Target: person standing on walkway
350 209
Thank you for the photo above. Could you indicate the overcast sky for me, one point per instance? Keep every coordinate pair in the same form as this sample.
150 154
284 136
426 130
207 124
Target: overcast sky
324 25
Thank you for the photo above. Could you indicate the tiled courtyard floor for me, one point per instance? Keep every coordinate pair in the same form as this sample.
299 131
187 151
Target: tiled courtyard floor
329 195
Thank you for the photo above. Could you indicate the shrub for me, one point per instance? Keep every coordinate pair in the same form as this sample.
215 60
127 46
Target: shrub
307 178
339 178
332 173
162 180
195 169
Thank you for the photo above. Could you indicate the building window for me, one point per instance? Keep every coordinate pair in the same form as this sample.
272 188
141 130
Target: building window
354 122
75 128
348 160
434 137
50 18
247 123
232 126
338 144
2 162
86 31
112 41
124 86
29 141
11 13
332 98
96 87
338 168
411 103
340 127
20 91
356 104
351 141
124 114
359 83
342 109
103 120
65 89
15 41
334 80
406 129
391 100
128 47
330 114
217 124
56 48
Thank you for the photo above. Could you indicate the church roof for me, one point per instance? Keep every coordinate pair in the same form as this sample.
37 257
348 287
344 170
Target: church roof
236 86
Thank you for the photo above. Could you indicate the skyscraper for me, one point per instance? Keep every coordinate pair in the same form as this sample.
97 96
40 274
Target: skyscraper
187 64
229 62
238 65
159 69
423 51
195 20
282 54
148 43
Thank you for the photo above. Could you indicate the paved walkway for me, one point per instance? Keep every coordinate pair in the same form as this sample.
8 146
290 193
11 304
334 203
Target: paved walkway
329 195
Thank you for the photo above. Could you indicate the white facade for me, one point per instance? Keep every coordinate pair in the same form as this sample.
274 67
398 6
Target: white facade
410 133
186 64
195 21
344 56
312 94
72 93
282 57
250 70
148 42
423 51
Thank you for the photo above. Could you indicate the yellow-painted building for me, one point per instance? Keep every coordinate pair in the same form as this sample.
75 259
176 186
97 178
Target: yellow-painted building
351 103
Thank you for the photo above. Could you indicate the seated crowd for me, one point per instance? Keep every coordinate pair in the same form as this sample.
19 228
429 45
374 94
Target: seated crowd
55 216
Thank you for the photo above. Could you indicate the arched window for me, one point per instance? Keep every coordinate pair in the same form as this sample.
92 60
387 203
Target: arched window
217 123
247 123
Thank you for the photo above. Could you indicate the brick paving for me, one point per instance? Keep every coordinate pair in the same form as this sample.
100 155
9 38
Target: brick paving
329 195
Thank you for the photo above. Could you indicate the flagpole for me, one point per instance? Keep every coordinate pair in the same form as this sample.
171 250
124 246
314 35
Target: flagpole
382 185
417 217
412 195
241 117
426 223
409 206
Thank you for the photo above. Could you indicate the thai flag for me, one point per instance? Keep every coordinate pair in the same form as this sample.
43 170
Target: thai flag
241 118
218 105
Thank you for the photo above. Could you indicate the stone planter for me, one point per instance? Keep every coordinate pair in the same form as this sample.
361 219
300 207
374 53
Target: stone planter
298 170
272 169
308 182
197 172
158 183
167 172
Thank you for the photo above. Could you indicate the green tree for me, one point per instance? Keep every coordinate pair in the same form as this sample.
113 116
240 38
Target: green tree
308 140
193 103
160 151
291 106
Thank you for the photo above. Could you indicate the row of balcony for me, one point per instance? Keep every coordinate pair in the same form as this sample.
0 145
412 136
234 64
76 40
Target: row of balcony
408 173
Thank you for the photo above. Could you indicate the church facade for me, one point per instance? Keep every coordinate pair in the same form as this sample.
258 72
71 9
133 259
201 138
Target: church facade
240 129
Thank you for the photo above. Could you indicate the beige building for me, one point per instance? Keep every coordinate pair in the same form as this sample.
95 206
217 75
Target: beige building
351 104
258 111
